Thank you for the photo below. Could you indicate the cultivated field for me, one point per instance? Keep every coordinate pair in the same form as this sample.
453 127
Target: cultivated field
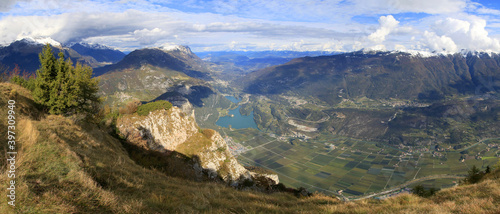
329 164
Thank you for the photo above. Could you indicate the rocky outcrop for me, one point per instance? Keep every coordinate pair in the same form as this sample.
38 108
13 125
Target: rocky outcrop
162 129
174 130
217 159
265 180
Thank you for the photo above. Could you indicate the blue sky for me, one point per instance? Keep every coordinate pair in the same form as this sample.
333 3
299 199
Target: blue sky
331 25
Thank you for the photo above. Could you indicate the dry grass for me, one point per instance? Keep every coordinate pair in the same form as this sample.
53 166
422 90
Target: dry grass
65 167
130 107
194 144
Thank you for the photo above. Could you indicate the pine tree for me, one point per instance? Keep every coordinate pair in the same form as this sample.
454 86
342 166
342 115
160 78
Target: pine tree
45 76
86 89
473 175
419 190
65 89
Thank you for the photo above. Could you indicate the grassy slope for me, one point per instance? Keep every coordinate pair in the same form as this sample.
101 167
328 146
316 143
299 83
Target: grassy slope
65 167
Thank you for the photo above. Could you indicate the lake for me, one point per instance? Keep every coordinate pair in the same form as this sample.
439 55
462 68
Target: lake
238 121
233 99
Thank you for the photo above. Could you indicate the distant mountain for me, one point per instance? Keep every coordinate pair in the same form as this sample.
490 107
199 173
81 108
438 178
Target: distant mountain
179 58
214 55
247 61
24 53
167 73
99 52
379 75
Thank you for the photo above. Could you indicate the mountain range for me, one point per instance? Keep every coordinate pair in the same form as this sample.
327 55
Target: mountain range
99 52
24 53
361 122
379 75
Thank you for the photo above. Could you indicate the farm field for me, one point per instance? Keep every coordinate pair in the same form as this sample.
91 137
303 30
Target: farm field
358 168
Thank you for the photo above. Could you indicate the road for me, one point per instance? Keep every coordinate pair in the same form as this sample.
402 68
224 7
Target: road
430 177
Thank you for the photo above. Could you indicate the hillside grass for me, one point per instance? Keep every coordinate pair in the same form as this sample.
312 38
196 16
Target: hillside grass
66 166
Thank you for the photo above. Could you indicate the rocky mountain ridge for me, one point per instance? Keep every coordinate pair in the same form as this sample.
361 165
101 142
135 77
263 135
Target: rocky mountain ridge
24 53
179 59
99 52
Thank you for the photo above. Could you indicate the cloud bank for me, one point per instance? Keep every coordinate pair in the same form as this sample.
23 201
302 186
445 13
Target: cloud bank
443 26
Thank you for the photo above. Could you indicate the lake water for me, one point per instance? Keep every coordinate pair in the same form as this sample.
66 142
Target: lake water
233 99
238 121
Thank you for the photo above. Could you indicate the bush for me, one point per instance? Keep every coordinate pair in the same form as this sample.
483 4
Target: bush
144 110
422 192
131 107
14 76
248 183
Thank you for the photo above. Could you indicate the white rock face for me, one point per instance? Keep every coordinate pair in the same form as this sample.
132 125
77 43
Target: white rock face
168 128
217 158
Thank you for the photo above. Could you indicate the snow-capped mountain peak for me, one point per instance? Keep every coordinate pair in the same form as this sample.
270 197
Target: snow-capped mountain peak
91 46
173 47
41 40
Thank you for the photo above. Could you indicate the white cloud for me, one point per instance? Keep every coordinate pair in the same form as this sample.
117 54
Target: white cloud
451 26
379 47
488 11
255 24
138 29
332 10
400 47
5 5
149 37
13 28
439 43
470 34
427 6
387 24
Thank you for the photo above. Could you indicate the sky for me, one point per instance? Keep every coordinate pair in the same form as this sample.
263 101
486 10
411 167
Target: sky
254 25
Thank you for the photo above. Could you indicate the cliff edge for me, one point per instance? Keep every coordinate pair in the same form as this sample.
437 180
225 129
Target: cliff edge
174 130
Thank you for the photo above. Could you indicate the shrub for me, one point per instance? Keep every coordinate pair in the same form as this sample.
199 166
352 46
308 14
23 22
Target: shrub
131 107
248 183
144 110
26 81
422 192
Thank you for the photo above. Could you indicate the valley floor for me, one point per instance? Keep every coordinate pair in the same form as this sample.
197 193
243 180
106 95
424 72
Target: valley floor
359 168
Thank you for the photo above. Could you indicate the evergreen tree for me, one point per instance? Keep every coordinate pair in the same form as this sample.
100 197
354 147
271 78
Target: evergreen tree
65 89
86 89
474 175
419 190
45 76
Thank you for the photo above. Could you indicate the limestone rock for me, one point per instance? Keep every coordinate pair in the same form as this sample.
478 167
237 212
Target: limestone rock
167 129
217 158
174 130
